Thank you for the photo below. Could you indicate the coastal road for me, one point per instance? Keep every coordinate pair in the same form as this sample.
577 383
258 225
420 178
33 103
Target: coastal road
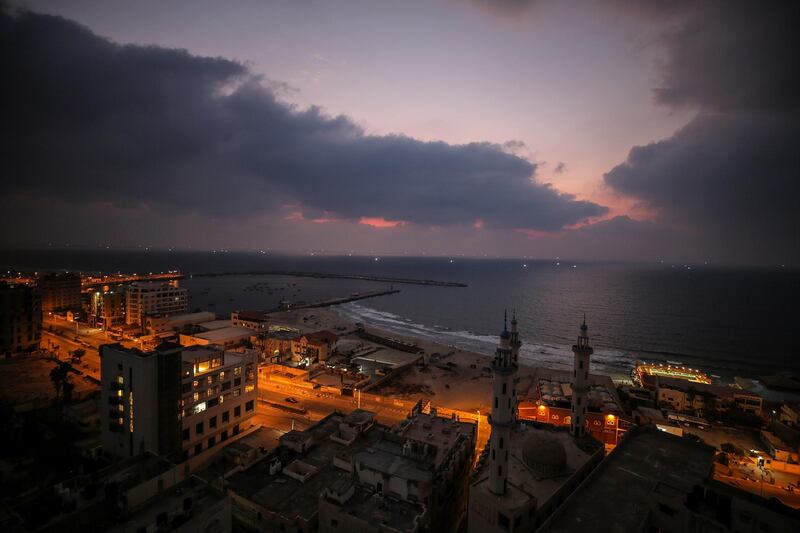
324 404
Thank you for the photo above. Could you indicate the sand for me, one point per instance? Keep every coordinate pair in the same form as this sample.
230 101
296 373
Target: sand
452 377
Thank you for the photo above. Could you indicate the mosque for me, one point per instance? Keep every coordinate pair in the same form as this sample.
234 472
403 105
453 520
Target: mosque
530 468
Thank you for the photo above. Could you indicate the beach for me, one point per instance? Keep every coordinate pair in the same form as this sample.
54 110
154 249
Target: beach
454 377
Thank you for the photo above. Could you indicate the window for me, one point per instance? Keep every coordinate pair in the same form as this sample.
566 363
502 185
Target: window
226 417
212 423
495 401
501 443
237 392
504 388
223 436
186 434
199 428
237 411
212 441
200 407
226 385
249 388
237 371
248 406
237 382
213 402
198 448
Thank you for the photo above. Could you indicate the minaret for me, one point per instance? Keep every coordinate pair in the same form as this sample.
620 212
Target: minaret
580 381
504 411
514 343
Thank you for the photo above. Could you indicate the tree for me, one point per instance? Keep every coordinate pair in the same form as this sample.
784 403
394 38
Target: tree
61 380
77 354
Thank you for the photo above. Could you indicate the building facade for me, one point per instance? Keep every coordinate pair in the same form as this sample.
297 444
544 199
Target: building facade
107 308
60 291
144 298
20 319
173 401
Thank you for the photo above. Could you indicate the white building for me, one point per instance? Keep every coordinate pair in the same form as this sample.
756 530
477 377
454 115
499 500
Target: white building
226 337
175 401
150 298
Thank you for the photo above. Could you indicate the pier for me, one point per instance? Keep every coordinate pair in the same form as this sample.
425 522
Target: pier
321 275
285 306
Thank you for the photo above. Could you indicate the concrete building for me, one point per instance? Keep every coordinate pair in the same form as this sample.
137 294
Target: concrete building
654 481
20 319
256 320
60 291
142 493
158 323
529 470
684 396
226 337
174 401
107 308
314 347
348 472
151 298
549 396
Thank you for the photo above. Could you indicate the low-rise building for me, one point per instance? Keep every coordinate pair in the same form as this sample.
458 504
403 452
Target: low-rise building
790 414
256 320
347 471
158 323
654 481
142 493
685 396
175 401
227 337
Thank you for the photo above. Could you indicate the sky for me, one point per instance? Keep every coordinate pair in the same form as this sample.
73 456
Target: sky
595 129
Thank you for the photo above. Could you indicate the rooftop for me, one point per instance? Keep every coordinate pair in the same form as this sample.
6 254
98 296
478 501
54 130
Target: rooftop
377 509
554 387
438 431
376 447
619 492
541 460
223 333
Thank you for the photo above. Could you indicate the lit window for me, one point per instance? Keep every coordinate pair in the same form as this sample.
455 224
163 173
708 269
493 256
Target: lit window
237 371
249 388
120 380
200 407
196 396
195 383
119 393
237 392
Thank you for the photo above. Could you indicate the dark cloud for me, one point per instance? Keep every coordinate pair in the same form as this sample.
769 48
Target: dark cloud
505 8
94 122
560 168
732 171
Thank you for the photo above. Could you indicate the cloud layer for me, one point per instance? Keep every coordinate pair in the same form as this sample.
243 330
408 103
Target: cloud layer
732 172
135 127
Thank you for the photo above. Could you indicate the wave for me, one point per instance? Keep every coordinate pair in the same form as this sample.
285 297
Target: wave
614 362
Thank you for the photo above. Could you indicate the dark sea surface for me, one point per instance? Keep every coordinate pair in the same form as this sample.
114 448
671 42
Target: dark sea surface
726 321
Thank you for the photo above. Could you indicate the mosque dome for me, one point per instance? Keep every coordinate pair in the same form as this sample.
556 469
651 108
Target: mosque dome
544 454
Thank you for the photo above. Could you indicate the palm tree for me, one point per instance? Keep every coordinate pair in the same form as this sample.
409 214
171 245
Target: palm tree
60 378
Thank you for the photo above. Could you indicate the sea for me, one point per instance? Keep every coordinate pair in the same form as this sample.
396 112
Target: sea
727 321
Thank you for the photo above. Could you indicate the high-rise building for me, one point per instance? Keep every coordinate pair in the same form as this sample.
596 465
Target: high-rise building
175 401
144 298
107 308
60 291
580 381
20 319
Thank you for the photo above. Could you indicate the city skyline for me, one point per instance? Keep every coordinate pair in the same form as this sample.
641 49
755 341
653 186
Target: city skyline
598 130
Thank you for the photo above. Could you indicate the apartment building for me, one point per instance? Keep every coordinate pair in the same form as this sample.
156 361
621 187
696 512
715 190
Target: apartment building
146 298
20 319
174 401
60 291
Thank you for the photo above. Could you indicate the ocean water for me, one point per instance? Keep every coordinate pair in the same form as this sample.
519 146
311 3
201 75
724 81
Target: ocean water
726 321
